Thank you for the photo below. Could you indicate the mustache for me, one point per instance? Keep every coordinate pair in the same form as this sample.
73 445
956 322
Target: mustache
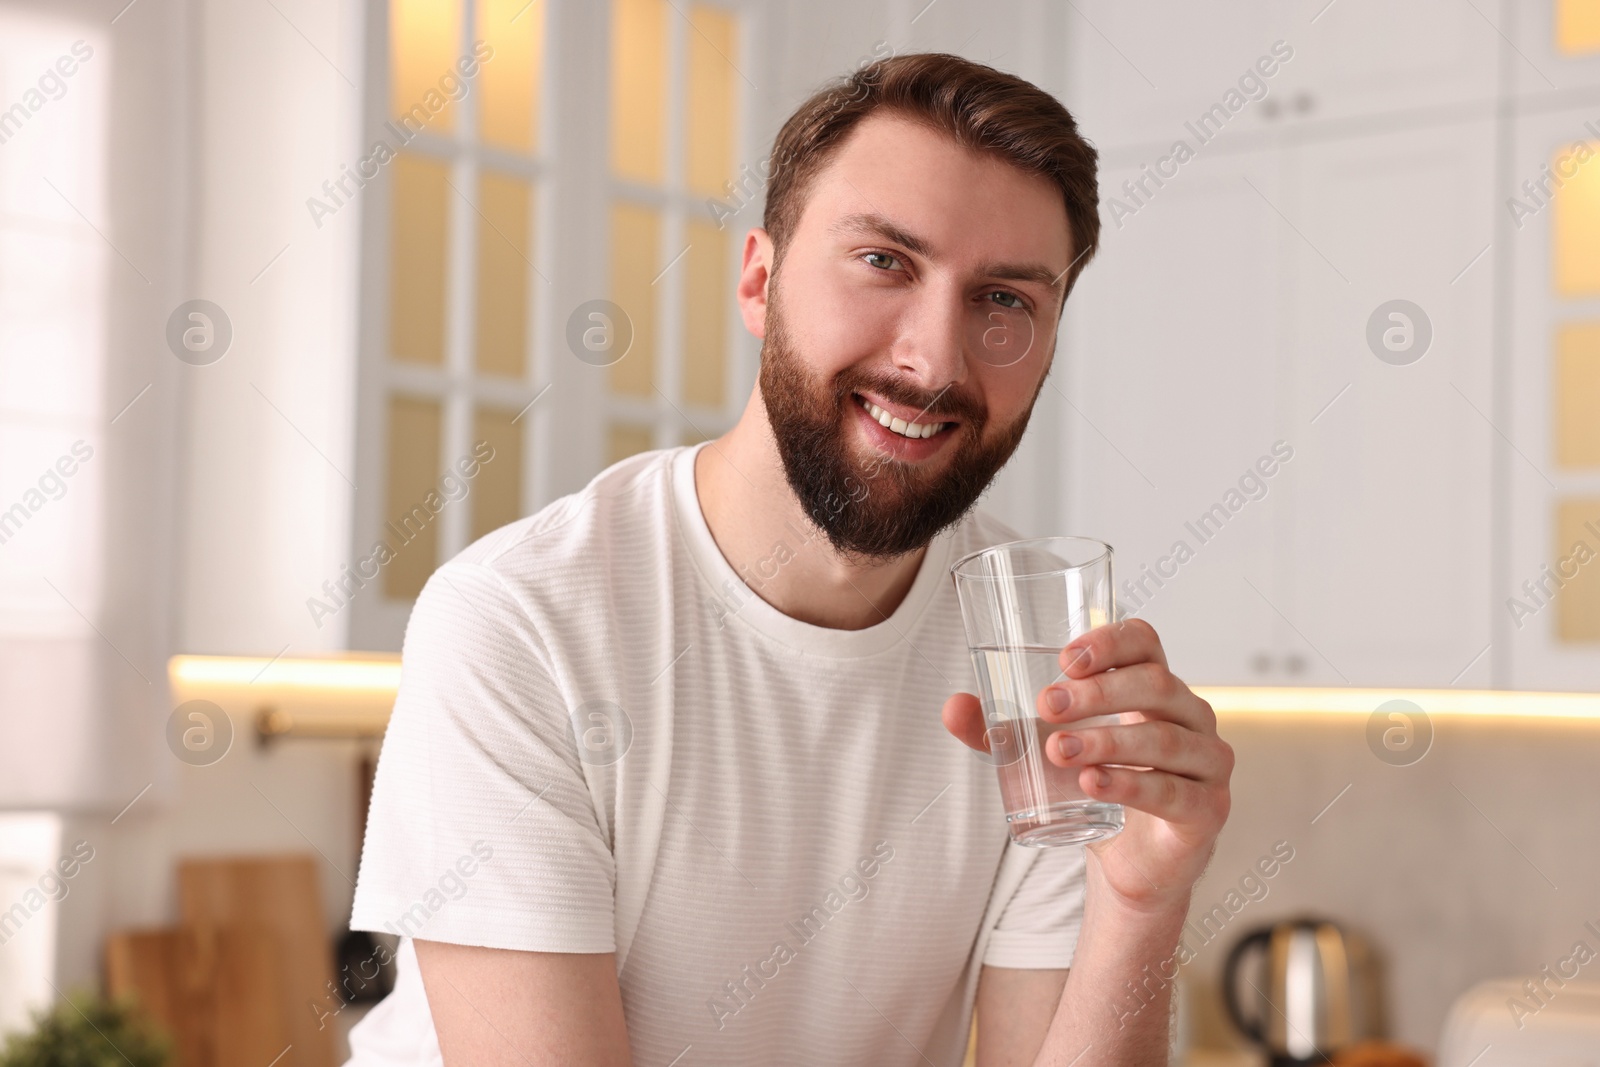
946 405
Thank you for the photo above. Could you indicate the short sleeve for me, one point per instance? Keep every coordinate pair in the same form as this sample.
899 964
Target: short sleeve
482 829
1038 928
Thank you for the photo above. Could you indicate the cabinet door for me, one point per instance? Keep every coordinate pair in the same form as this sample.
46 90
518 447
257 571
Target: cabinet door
1365 59
1141 70
1554 492
1171 384
1386 526
1138 70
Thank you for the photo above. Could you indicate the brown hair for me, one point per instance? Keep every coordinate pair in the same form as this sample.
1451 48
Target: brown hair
982 108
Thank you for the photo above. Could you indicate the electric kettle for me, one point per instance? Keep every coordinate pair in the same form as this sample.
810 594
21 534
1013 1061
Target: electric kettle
1302 989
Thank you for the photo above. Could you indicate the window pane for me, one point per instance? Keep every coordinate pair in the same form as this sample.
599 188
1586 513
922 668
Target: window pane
1577 395
635 249
415 424
505 249
639 89
497 489
624 440
710 115
1578 26
509 82
705 315
1578 600
423 38
1576 222
417 260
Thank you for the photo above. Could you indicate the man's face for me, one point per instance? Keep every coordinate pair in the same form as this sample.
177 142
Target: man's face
923 279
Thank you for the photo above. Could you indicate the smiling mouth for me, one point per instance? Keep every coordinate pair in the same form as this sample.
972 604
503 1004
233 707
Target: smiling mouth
912 430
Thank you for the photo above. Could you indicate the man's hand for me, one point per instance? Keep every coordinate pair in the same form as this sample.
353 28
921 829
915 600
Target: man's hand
1175 808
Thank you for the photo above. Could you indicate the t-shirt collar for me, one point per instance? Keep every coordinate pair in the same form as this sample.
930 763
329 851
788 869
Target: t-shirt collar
732 597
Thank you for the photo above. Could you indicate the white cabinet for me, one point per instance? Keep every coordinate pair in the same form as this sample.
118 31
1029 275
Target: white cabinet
1230 313
1171 362
1385 537
1138 70
1357 58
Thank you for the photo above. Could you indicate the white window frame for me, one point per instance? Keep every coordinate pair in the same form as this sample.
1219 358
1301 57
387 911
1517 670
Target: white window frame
565 428
666 412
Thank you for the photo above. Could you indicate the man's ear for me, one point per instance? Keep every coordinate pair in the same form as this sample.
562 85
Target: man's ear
754 274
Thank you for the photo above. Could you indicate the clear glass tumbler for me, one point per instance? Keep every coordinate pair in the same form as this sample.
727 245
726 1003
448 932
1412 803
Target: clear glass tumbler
1021 603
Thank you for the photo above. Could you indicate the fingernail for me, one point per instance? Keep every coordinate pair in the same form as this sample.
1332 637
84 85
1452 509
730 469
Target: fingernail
1102 778
1059 700
1068 746
1079 661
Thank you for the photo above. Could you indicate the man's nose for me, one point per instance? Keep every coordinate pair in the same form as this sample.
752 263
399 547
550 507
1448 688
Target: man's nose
932 344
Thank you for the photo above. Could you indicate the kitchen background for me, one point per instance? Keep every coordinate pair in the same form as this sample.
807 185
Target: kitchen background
269 268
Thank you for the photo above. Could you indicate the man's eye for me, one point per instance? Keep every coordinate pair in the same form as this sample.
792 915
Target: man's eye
1008 296
870 256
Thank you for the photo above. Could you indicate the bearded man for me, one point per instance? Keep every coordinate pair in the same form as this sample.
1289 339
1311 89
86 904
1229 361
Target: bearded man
671 778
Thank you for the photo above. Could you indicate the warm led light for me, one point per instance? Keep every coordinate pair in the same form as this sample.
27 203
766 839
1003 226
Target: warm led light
378 675
1337 701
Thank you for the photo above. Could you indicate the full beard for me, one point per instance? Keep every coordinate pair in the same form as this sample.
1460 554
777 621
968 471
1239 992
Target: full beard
877 507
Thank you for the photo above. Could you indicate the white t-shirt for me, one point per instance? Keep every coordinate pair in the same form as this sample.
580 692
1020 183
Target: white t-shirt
604 740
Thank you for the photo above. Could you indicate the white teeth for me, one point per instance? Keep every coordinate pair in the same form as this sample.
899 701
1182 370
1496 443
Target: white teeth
914 430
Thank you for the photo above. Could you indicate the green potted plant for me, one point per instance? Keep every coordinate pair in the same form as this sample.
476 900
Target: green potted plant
88 1031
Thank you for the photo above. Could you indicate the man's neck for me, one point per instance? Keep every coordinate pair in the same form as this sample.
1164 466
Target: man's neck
765 535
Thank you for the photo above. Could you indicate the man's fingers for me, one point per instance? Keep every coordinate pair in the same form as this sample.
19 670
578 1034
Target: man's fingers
963 717
1164 746
1115 644
1170 797
1144 687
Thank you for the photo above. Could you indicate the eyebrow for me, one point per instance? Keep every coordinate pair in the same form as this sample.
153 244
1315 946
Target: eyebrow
874 224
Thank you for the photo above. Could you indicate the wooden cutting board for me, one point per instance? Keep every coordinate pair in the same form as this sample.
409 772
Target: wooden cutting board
155 967
271 907
218 996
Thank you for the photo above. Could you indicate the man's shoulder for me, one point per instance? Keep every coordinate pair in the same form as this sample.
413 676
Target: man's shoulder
623 511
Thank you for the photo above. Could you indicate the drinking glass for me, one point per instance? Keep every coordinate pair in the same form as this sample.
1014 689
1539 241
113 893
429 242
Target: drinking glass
1021 603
